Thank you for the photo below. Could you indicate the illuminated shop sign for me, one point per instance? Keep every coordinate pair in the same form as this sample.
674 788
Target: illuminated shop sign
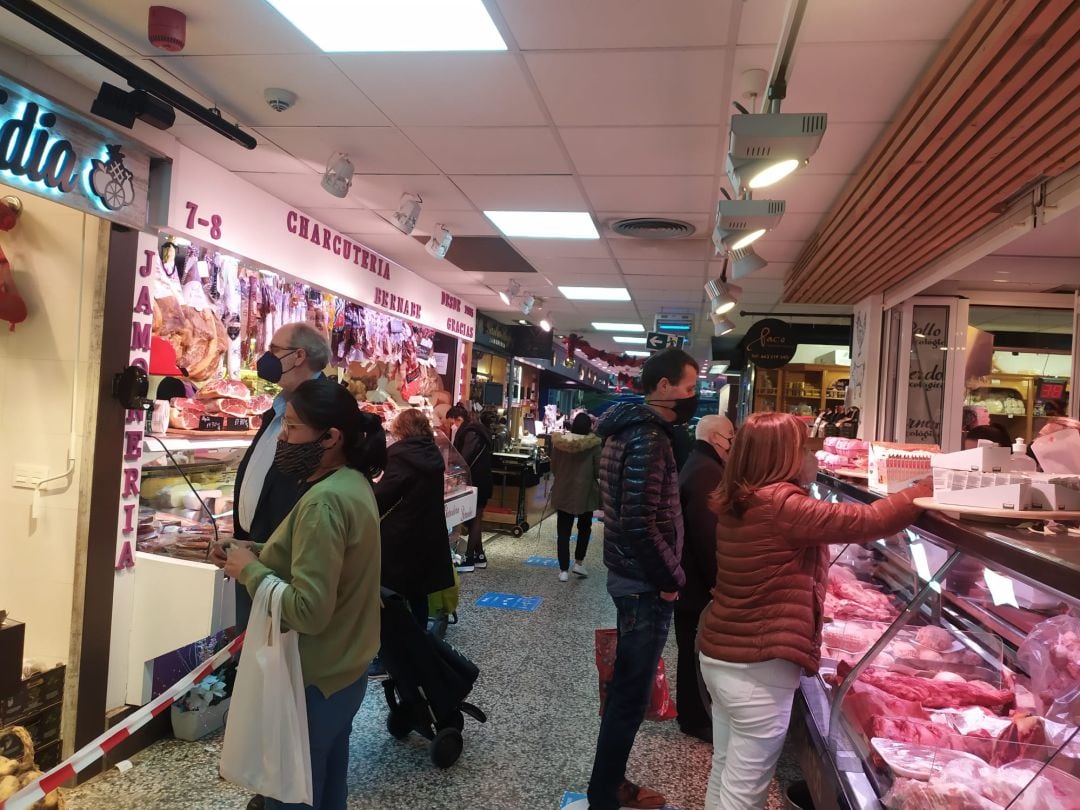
46 151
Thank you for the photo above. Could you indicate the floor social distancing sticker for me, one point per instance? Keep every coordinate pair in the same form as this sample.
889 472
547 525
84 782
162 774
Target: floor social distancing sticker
542 562
510 601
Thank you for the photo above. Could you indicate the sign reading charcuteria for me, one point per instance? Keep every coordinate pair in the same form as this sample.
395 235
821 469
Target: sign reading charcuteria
46 150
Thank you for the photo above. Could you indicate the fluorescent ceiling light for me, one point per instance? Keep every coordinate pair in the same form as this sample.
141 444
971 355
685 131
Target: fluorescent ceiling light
718 368
393 25
603 326
636 341
595 293
638 354
544 224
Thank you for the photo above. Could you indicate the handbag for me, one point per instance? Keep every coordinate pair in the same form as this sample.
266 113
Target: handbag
266 748
661 706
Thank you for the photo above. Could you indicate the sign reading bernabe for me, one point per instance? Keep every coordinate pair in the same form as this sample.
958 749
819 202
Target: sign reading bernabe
47 150
771 343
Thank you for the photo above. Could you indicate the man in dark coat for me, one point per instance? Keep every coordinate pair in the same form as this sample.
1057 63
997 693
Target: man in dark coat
473 441
643 529
698 480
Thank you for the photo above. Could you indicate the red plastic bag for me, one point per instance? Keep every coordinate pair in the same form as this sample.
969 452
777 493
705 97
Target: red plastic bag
661 706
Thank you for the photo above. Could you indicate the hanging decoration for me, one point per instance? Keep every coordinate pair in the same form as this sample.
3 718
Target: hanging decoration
625 368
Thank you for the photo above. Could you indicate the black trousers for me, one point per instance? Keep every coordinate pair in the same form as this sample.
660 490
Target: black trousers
564 522
693 716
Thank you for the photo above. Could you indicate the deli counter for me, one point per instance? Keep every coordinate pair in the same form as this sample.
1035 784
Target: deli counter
950 671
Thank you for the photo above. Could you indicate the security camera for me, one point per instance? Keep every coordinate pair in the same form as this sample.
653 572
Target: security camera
279 98
439 243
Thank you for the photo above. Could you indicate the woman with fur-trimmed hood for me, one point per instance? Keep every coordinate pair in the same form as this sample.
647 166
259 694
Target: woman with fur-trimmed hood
575 462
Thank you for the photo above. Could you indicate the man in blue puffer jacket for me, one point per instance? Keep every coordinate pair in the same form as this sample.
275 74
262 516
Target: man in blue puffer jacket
643 535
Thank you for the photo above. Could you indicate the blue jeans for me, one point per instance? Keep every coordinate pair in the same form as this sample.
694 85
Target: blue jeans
330 722
643 622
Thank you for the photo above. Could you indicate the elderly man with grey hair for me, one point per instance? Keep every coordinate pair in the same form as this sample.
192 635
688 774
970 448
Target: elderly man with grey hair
698 479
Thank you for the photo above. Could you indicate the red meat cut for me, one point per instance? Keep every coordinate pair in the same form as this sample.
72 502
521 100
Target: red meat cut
227 406
932 694
912 730
233 389
186 404
261 404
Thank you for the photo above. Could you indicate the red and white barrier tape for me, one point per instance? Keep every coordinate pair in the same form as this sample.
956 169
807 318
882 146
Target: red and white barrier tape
91 753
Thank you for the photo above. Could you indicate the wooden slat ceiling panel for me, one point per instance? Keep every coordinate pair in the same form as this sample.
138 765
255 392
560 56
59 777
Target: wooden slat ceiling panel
996 112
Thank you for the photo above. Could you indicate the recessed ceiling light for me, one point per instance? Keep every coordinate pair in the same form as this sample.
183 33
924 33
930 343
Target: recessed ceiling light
636 341
637 354
603 326
544 224
393 25
595 293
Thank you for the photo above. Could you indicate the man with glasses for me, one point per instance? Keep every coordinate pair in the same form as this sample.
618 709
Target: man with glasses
698 479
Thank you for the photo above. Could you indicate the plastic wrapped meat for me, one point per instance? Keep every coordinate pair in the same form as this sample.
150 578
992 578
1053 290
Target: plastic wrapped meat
935 638
1051 653
933 694
910 794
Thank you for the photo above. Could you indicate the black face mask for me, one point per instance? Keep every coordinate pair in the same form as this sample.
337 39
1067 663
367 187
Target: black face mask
685 409
299 461
269 366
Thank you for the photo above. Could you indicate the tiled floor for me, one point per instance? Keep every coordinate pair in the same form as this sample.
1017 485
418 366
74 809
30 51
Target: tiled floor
537 684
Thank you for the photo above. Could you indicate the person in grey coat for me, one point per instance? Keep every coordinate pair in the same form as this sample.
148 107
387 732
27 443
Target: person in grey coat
575 462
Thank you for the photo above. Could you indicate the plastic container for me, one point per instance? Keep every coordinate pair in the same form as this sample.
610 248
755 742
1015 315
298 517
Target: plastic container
1020 461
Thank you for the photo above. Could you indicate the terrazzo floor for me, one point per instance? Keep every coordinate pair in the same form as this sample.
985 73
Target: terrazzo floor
537 685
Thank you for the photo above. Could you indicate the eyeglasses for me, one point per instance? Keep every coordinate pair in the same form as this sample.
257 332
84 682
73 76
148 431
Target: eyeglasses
288 424
274 349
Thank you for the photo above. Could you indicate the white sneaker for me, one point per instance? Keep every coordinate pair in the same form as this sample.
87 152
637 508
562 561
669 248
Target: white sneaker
564 576
579 569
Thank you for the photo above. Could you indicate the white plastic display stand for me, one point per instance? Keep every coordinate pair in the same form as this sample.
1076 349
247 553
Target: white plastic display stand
460 506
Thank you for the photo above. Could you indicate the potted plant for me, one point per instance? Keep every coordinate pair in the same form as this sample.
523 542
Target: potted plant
201 710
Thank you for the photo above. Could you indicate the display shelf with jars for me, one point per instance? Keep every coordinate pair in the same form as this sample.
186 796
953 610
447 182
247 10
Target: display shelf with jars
802 389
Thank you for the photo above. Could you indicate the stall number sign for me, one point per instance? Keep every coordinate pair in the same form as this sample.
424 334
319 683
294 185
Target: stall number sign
47 152
509 601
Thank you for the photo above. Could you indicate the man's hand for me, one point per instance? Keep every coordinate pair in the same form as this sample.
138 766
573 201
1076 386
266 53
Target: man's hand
669 596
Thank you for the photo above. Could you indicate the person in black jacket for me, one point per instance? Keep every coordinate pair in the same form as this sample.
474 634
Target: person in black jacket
643 530
263 495
473 441
415 553
698 479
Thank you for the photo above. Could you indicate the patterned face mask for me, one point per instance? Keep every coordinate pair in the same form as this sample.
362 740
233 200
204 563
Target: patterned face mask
299 461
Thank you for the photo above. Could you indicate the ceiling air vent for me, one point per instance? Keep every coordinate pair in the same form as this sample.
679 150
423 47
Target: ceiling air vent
653 228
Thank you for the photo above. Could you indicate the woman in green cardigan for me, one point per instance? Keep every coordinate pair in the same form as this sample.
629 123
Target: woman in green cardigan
328 551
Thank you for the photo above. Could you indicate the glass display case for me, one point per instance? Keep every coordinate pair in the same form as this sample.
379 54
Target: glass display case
950 671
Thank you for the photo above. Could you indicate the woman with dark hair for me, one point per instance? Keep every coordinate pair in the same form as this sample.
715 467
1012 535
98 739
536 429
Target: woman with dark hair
415 551
993 432
473 441
762 629
575 462
327 552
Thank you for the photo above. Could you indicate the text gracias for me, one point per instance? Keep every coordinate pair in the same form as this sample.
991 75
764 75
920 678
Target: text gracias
304 228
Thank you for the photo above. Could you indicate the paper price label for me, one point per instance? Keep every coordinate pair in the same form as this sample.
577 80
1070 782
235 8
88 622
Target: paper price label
1000 587
922 564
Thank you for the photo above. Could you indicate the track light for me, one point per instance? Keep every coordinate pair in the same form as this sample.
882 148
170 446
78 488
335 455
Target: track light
722 325
745 261
407 213
741 222
764 148
122 107
508 295
527 303
439 243
722 296
338 177
545 324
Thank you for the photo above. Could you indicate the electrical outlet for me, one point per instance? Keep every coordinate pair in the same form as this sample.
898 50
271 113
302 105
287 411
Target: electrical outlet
28 476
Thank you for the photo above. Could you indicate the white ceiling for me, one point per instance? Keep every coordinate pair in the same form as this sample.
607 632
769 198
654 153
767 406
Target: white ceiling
617 107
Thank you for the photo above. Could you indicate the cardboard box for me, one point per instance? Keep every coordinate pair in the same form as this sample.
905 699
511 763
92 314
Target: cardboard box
1015 497
12 638
1051 496
32 695
977 459
43 727
894 467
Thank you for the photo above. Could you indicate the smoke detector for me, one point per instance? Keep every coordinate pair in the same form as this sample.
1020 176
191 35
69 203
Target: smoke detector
166 28
279 98
653 228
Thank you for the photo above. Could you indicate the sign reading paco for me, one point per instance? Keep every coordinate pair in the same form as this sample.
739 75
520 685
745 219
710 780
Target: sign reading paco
770 343
46 151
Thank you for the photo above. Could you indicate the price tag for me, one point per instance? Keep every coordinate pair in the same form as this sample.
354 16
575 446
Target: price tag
1000 587
922 564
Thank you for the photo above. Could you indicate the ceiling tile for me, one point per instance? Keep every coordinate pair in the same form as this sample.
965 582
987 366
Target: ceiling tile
642 150
632 88
383 191
670 277
213 27
446 89
491 150
301 190
237 83
807 193
538 192
583 280
773 250
651 250
368 222
822 78
266 157
349 220
570 267
880 20
795 227
647 195
762 22
638 271
561 248
373 150
555 24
